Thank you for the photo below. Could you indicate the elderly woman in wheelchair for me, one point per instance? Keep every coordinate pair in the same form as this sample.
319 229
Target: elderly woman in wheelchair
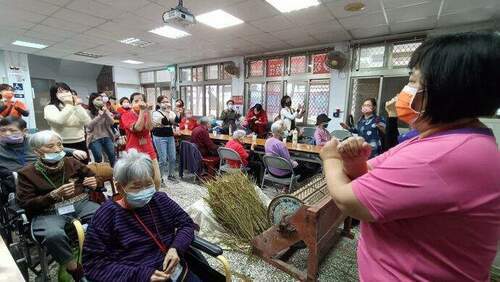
52 192
141 237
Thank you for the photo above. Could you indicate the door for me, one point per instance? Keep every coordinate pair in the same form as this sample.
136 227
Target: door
41 89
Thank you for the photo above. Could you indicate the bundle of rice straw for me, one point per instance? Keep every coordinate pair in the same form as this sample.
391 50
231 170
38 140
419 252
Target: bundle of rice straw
236 206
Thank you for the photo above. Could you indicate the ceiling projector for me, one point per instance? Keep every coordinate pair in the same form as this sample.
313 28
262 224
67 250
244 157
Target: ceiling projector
179 16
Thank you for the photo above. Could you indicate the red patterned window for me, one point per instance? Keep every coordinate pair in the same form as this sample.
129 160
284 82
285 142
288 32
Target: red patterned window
273 99
257 68
319 64
298 64
275 67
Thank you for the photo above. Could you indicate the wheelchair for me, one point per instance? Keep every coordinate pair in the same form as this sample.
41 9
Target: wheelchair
31 255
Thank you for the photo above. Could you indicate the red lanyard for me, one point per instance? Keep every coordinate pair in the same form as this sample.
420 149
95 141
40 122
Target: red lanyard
162 246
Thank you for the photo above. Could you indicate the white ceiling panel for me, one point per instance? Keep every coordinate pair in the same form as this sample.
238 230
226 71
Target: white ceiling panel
34 6
21 14
53 31
304 40
452 6
95 8
310 16
53 52
332 36
273 23
363 21
262 38
289 34
56 2
322 27
409 13
102 35
128 5
77 17
467 16
8 22
65 25
152 12
416 25
337 8
70 47
370 32
251 10
394 4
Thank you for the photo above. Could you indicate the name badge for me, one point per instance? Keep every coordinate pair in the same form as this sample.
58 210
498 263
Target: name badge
66 209
176 273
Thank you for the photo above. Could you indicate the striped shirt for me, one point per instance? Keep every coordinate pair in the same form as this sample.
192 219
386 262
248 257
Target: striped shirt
117 248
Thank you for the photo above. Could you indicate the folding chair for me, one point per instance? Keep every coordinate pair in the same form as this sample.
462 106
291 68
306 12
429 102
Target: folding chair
226 154
279 163
341 134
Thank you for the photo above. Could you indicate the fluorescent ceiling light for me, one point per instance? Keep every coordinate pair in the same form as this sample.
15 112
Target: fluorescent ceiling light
170 32
132 62
218 19
136 42
286 6
29 44
130 40
87 54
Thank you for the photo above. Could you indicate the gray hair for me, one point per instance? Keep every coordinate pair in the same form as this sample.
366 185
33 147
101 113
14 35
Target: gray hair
205 120
133 166
238 134
41 138
278 127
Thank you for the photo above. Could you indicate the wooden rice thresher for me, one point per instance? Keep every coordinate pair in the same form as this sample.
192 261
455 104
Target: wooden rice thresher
306 218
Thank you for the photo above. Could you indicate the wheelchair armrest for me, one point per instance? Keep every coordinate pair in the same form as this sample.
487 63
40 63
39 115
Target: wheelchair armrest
206 247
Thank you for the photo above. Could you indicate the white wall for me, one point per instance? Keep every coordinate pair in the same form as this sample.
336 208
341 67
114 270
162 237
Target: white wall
339 91
126 76
3 70
19 73
78 75
126 81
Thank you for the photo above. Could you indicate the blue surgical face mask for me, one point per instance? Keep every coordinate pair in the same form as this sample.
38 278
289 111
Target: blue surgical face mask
141 198
13 139
53 158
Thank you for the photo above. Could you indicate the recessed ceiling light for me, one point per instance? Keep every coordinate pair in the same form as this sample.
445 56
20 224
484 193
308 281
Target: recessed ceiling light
170 32
132 62
218 19
86 54
136 42
354 7
29 44
286 6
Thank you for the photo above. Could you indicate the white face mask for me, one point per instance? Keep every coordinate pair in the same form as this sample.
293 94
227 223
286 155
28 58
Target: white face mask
230 106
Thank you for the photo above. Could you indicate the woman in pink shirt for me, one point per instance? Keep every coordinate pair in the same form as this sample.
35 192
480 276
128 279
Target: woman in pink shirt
430 207
321 135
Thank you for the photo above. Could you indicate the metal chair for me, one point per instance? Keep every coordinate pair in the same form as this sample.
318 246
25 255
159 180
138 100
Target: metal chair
280 163
308 135
341 134
226 154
